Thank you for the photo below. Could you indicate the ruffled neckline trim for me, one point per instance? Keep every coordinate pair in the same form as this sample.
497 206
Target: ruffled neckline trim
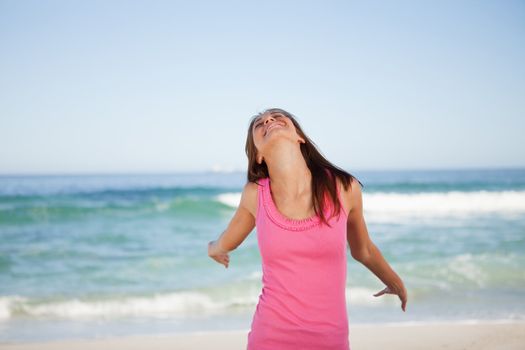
281 220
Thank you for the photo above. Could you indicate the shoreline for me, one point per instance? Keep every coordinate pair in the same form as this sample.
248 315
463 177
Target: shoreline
468 334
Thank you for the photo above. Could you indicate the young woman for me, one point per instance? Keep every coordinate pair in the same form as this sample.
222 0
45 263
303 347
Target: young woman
305 210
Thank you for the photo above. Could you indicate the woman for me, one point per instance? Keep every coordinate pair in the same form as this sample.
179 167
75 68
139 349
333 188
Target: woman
305 210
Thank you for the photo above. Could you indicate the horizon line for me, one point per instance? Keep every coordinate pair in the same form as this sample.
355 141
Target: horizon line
236 170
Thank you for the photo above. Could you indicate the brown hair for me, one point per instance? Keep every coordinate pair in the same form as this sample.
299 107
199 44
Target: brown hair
319 167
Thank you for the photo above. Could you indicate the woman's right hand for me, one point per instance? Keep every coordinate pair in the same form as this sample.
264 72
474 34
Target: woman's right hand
218 254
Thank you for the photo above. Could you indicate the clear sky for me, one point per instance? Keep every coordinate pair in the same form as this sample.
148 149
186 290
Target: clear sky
155 86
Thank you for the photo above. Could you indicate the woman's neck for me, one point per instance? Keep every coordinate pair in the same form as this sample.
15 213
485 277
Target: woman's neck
289 174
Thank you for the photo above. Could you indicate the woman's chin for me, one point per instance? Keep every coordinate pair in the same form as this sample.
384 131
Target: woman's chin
283 138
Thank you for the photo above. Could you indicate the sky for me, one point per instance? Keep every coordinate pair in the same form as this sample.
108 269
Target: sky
168 86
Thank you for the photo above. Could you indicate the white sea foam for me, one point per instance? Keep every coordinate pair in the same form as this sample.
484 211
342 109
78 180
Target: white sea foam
160 305
157 305
446 202
231 199
390 205
465 267
7 304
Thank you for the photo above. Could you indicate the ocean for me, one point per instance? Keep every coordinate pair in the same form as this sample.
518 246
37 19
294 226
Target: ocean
89 256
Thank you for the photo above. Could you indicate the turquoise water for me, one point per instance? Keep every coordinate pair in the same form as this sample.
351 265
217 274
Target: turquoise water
94 256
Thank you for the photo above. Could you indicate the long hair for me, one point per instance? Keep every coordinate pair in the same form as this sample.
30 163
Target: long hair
319 166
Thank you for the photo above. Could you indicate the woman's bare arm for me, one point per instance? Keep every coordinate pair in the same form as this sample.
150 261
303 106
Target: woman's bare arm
240 226
364 250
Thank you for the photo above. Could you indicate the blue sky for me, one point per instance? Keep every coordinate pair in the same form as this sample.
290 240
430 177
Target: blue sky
155 86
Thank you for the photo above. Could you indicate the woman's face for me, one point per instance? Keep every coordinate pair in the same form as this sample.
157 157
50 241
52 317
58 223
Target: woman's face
273 126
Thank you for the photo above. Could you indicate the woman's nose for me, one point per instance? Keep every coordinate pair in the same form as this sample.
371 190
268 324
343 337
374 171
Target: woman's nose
268 119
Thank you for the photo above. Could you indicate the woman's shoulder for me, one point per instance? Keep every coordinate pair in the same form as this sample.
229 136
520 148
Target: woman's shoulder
349 193
249 197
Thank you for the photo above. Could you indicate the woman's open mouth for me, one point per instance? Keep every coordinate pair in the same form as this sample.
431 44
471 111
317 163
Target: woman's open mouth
273 126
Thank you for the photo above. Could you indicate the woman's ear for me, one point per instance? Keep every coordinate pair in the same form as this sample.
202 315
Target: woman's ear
301 140
259 159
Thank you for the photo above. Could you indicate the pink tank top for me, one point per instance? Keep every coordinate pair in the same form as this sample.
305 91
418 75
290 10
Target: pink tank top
303 302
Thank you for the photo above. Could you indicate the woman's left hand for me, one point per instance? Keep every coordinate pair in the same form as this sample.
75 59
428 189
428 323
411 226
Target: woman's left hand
218 254
399 291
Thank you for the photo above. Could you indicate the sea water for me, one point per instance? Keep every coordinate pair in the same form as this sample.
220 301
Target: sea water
89 256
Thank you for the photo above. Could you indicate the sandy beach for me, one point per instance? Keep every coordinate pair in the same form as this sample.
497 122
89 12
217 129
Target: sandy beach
480 336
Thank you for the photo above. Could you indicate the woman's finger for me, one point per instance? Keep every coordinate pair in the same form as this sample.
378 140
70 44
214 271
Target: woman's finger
403 298
401 295
380 293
